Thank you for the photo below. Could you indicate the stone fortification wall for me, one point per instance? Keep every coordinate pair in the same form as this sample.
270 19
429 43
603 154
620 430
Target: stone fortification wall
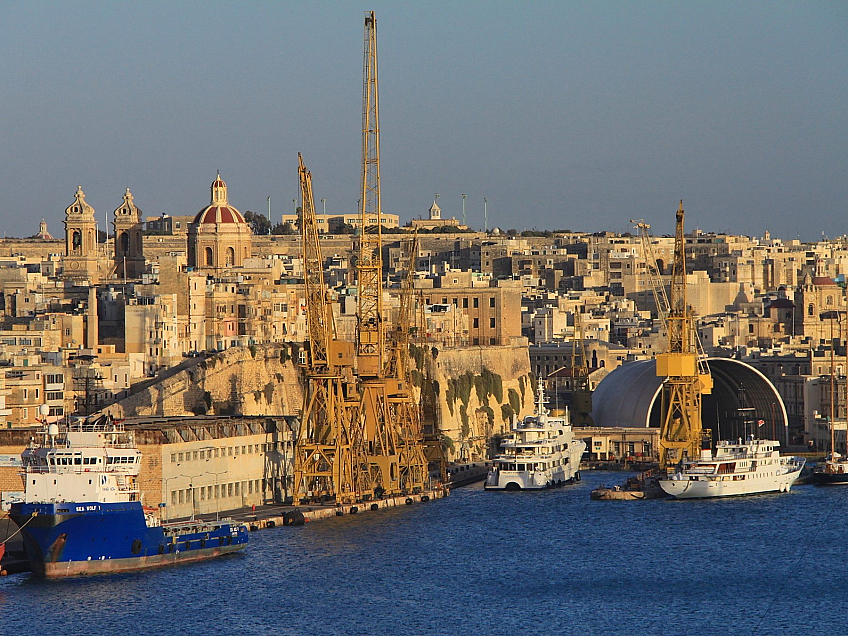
474 395
256 380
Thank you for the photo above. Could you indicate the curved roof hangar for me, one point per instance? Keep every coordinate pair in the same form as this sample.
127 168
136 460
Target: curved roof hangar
630 396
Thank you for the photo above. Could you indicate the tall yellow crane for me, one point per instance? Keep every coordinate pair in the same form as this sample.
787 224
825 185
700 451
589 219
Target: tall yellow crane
381 435
404 411
581 394
329 457
686 375
434 447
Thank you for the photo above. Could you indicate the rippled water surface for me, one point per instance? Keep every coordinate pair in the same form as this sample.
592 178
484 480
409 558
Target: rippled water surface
483 563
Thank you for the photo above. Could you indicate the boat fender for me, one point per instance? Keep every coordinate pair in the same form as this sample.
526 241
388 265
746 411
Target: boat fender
253 527
339 512
297 518
375 506
270 524
409 501
136 546
425 497
161 549
577 476
354 510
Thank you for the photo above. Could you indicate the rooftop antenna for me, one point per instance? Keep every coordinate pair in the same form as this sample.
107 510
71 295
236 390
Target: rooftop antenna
485 214
463 209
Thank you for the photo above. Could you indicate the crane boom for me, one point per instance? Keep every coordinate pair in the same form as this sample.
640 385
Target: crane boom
370 336
319 318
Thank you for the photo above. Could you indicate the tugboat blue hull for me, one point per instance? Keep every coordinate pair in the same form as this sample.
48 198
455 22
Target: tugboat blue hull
67 539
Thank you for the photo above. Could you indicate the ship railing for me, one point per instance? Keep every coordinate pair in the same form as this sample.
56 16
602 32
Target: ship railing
74 470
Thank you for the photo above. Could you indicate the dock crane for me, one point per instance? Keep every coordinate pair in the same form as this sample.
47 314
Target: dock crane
581 393
404 411
329 462
380 431
683 365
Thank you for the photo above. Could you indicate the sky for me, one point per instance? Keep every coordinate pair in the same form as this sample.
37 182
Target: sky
563 115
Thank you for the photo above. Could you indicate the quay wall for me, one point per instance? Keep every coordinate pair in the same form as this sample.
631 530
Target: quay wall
474 394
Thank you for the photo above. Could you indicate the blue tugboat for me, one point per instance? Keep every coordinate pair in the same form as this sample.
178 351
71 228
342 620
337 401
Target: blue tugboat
82 510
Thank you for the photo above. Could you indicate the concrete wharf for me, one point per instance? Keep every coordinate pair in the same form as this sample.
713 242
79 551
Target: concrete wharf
273 515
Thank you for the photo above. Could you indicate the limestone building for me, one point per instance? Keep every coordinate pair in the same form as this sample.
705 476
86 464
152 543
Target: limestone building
129 250
219 236
815 297
80 240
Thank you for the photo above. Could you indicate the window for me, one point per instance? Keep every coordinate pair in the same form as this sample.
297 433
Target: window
465 303
492 301
476 323
476 303
491 323
210 259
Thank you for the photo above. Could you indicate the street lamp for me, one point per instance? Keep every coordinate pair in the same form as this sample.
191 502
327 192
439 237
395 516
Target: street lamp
324 206
217 505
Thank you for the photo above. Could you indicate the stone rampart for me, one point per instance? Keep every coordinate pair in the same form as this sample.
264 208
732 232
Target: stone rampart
475 394
256 380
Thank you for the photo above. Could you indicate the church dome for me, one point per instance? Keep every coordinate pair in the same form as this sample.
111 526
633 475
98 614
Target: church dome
219 210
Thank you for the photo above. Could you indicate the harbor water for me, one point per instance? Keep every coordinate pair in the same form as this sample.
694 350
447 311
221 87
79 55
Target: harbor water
490 563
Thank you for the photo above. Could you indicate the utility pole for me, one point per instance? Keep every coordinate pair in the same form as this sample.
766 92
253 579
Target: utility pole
463 208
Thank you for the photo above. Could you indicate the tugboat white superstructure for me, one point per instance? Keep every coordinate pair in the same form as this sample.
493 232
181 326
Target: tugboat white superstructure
541 453
737 468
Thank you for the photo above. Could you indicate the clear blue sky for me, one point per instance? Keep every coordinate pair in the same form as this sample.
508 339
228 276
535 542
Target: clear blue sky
577 115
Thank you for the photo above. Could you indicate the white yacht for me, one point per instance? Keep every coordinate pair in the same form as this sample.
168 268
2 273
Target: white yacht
736 468
541 453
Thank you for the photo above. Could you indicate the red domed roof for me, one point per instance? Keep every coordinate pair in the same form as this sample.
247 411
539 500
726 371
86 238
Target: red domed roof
219 210
219 214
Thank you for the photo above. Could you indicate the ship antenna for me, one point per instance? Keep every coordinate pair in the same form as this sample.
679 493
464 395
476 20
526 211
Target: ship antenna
540 397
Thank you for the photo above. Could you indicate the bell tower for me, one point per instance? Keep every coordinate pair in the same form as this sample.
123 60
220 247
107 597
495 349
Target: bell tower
80 240
129 248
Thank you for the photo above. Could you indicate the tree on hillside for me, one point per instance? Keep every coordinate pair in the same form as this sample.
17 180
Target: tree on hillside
283 229
258 223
